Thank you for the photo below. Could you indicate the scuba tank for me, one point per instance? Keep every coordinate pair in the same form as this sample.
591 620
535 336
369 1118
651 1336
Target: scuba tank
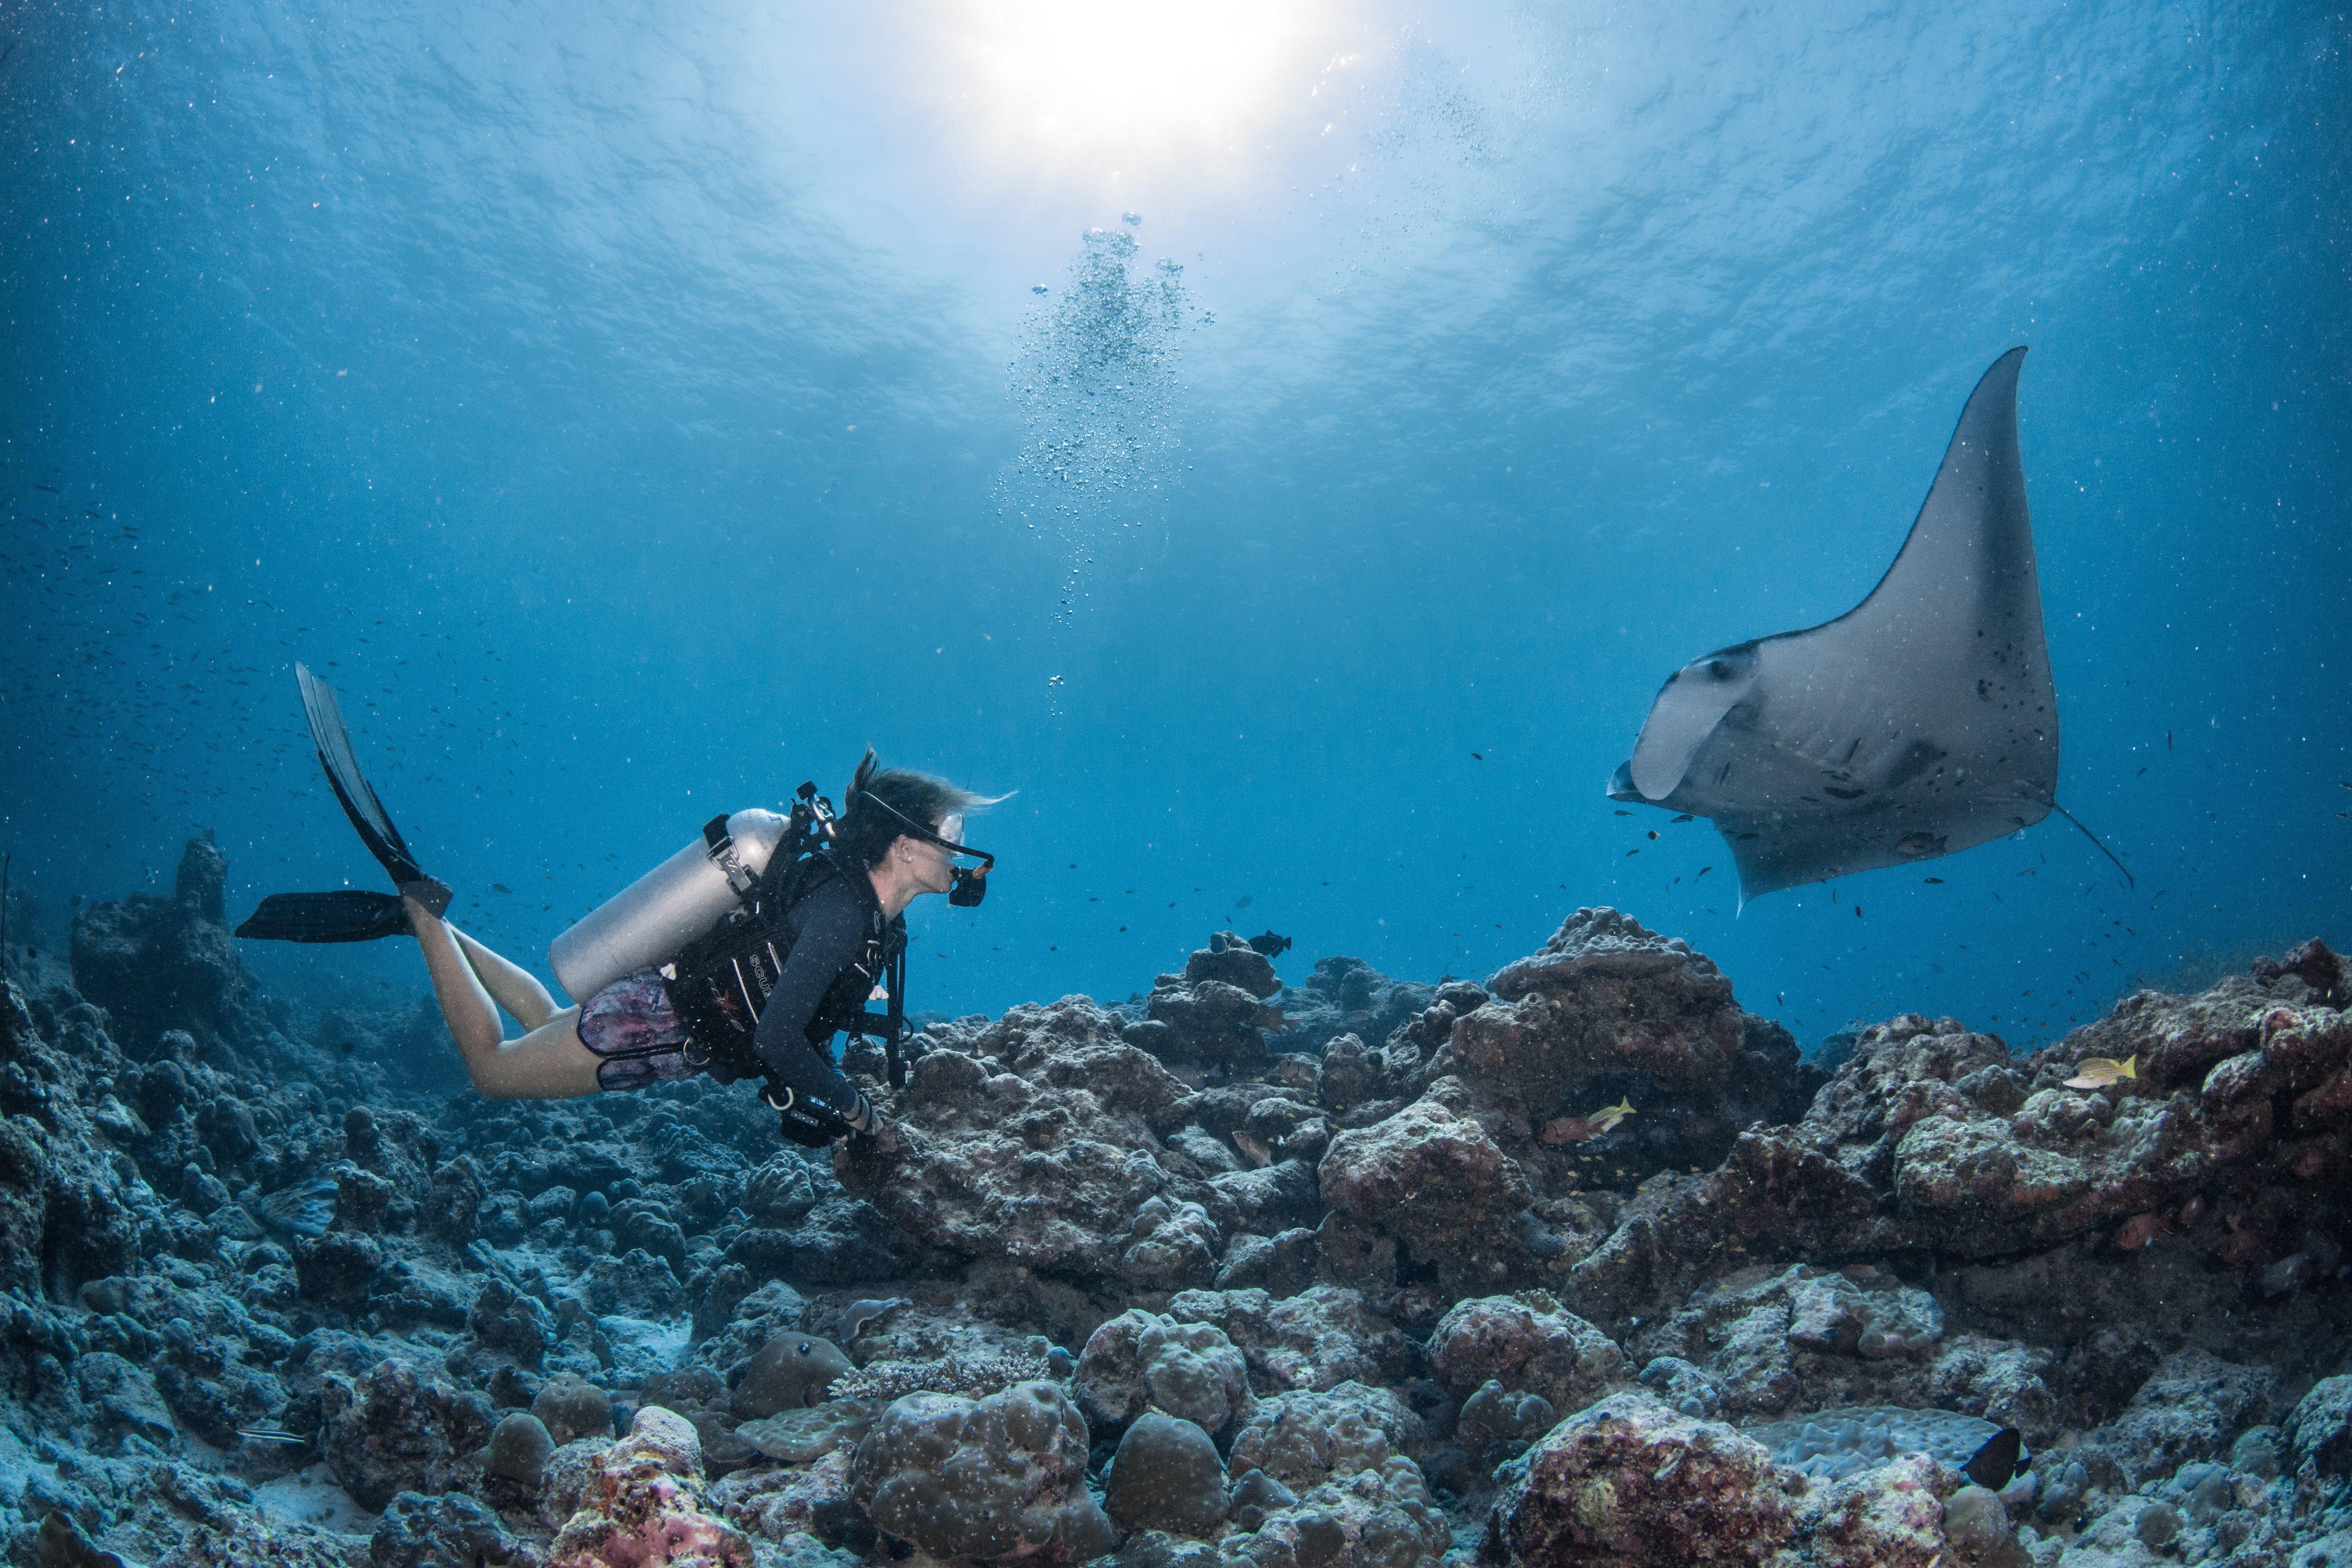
653 919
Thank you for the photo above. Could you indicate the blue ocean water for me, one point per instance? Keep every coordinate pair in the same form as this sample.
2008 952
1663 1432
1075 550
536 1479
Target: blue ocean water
1287 445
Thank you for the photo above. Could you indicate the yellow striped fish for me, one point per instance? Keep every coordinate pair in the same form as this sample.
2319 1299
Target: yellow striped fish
2103 1072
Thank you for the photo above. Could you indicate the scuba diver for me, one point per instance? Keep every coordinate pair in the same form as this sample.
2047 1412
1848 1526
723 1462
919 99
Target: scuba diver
740 956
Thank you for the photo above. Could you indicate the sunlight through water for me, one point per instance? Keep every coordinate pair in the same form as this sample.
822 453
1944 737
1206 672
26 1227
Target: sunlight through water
1067 81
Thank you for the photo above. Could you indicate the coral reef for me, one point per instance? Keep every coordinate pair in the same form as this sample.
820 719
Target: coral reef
1236 1275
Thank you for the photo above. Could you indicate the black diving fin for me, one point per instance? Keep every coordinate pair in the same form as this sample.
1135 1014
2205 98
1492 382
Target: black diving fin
348 914
359 804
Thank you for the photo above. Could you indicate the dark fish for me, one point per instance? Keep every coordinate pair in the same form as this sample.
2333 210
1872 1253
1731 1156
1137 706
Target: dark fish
1268 943
1703 870
1938 880
1685 816
1857 912
500 887
1994 1466
1476 758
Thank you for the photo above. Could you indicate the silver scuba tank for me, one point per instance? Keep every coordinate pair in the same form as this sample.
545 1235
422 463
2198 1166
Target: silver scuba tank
653 919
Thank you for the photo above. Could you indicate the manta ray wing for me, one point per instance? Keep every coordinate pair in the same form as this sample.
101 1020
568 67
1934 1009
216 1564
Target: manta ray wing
1920 722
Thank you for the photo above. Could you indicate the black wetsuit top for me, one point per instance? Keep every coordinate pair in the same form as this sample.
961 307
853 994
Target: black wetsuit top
794 1037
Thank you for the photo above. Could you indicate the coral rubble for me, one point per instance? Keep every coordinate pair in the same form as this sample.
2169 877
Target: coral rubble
1581 1263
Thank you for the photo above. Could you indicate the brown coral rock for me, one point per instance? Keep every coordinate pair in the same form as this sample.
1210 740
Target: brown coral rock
1528 1343
1631 1484
1438 1183
1605 995
1931 1135
1048 1163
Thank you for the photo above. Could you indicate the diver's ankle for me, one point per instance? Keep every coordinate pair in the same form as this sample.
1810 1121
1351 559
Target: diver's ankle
428 895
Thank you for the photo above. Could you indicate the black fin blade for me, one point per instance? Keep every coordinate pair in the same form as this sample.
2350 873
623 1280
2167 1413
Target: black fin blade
347 914
342 765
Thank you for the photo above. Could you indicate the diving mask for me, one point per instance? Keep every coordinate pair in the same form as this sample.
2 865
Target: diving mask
967 885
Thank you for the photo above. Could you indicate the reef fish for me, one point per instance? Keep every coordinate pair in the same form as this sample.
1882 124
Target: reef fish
857 1314
2102 1072
1922 722
1584 1129
1268 943
272 1434
305 1209
1609 1116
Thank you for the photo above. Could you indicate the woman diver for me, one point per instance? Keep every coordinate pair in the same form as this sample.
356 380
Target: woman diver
740 956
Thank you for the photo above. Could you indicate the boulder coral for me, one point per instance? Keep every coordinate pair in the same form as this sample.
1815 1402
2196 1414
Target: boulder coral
999 1479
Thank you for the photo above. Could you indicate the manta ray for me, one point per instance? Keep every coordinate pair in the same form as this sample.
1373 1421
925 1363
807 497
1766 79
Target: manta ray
1921 723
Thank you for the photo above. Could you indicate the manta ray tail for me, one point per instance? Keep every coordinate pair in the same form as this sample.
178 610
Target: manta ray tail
2129 880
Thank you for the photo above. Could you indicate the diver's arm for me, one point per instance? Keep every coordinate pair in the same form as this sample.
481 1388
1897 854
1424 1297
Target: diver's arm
832 935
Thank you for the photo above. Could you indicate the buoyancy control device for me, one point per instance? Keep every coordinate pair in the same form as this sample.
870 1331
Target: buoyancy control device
721 985
715 919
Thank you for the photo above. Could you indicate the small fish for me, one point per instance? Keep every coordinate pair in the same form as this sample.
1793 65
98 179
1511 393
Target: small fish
857 1314
1609 1116
1476 758
305 1209
1937 880
272 1434
1259 1154
500 887
1685 816
2102 1072
1568 1130
1703 870
1998 1462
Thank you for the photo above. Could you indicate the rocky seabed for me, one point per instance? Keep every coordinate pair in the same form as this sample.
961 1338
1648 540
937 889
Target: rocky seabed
1233 1275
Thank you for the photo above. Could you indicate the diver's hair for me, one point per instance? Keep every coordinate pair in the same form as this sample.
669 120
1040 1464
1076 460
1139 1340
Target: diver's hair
865 834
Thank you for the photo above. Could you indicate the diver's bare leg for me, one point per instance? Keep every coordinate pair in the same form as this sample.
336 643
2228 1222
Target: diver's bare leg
549 1063
510 986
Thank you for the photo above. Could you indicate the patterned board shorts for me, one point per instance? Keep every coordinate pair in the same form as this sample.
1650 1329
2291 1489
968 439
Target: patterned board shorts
631 1025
